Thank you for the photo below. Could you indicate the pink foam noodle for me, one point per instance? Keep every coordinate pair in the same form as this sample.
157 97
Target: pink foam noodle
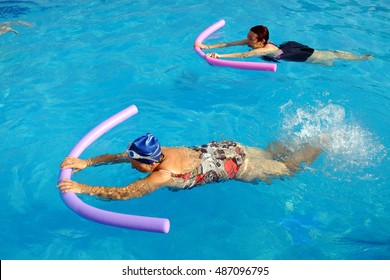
109 218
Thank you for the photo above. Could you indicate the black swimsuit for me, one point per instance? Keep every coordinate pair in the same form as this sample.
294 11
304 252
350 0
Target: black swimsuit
292 51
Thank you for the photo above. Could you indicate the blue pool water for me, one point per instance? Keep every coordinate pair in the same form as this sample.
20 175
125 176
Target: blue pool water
83 62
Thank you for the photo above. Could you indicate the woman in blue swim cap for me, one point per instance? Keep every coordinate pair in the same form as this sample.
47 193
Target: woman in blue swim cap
189 167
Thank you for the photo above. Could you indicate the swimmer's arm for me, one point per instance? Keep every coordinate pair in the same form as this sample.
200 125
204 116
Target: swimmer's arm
222 45
267 50
134 190
80 164
108 159
251 53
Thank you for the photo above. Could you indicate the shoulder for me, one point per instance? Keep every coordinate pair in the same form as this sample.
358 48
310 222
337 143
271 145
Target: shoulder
271 46
151 182
268 49
158 178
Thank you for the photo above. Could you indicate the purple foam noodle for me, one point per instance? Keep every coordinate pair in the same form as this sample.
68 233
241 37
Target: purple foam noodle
109 218
229 63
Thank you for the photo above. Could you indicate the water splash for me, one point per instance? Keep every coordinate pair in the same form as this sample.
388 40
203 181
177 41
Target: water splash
348 146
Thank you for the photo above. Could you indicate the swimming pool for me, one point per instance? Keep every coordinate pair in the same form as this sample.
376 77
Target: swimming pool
81 63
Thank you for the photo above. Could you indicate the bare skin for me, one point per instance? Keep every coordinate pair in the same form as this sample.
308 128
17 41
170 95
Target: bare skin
274 162
6 26
262 48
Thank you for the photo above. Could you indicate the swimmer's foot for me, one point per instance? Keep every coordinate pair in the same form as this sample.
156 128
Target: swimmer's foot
366 56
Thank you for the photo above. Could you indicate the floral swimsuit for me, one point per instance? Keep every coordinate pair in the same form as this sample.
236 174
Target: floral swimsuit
219 161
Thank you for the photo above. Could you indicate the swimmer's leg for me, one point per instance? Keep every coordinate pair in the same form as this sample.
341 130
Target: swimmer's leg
276 161
260 165
278 151
9 23
5 29
350 56
327 57
307 154
24 23
5 26
254 170
258 153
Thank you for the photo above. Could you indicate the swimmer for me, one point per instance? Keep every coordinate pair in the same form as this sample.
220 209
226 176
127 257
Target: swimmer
257 39
183 168
6 26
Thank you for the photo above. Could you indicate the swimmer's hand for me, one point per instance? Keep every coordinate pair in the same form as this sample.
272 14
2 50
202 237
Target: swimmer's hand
202 46
213 55
75 163
67 185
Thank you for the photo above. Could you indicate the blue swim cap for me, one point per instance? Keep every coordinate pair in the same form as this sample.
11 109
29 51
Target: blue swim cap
145 149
